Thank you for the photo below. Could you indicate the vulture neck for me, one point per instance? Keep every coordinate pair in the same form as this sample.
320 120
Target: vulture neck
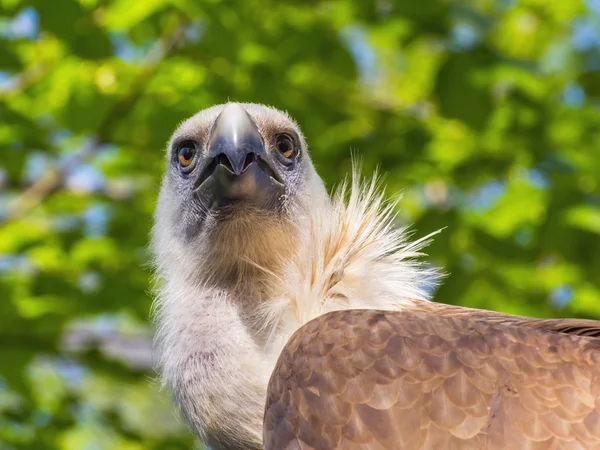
219 339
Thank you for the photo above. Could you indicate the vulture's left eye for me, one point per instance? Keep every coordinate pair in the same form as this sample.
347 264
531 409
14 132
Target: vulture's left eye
285 146
186 153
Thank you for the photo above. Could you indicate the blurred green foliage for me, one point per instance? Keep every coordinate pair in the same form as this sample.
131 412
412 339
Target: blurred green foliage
485 113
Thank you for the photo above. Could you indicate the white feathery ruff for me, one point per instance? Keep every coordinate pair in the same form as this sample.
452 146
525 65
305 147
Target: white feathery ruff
356 257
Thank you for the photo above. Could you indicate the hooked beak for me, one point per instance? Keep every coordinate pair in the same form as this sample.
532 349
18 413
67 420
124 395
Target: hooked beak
237 167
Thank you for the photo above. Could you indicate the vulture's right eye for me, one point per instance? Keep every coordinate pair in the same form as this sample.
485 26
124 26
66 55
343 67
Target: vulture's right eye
285 145
186 154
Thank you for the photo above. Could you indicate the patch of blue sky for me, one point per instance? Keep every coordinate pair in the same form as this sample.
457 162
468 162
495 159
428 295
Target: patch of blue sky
573 95
12 262
586 33
7 262
36 166
25 25
89 282
593 6
195 32
557 56
105 324
128 51
538 179
356 41
71 371
463 36
96 220
486 196
86 178
561 296
5 80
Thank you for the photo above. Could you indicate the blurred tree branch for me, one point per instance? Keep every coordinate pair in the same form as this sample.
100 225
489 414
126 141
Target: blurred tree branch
48 183
131 349
54 177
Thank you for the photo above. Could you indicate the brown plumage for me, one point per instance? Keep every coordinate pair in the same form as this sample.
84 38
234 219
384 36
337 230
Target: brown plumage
436 377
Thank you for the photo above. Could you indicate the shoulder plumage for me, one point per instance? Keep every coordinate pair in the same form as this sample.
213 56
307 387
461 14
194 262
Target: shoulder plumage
433 376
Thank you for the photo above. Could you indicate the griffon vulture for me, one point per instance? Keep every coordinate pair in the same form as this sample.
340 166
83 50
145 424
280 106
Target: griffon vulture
295 320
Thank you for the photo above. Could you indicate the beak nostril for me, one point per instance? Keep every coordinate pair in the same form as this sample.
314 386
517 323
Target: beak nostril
250 158
223 160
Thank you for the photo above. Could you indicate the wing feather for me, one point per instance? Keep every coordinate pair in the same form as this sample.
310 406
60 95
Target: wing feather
436 376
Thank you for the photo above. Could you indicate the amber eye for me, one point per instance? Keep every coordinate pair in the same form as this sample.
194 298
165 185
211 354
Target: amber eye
186 154
285 146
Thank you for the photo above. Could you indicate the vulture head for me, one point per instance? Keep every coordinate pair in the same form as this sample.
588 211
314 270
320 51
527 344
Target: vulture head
237 189
249 246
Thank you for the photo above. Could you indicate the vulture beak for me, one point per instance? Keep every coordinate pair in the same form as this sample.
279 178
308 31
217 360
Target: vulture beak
237 167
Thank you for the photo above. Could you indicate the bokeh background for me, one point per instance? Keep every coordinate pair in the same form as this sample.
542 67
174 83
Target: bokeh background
485 113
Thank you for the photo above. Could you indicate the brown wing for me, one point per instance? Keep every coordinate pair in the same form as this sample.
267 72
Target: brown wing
435 377
580 327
